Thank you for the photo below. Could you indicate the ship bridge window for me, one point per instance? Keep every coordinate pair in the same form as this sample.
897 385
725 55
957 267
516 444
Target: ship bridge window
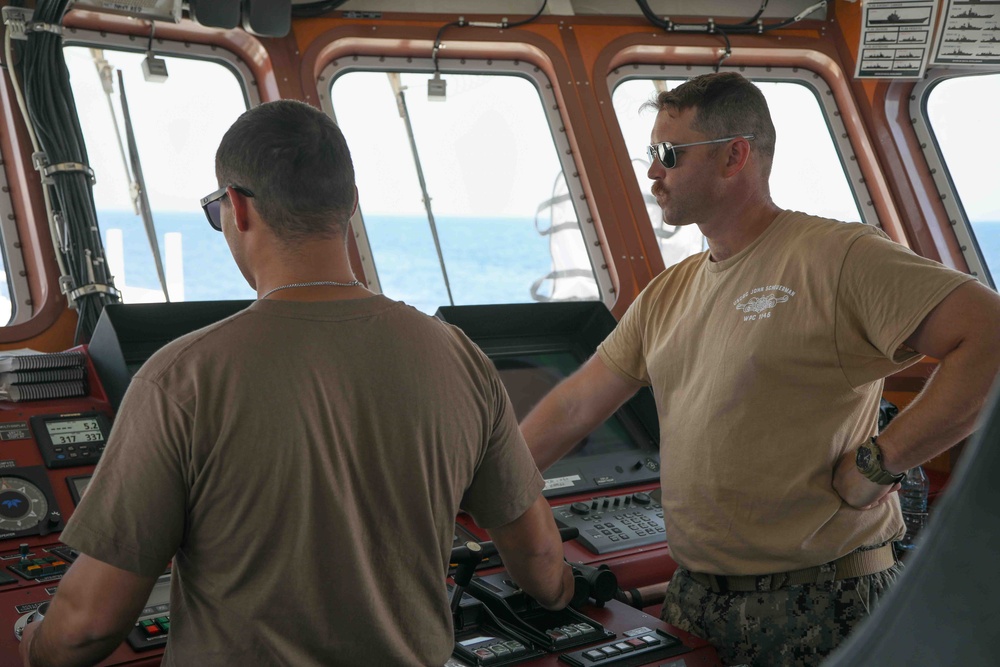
810 173
959 111
176 124
466 196
15 304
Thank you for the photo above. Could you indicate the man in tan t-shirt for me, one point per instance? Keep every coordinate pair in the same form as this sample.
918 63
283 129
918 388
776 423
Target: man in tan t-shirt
766 356
302 461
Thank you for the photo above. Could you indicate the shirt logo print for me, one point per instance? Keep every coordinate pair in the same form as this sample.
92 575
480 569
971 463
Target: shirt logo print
758 303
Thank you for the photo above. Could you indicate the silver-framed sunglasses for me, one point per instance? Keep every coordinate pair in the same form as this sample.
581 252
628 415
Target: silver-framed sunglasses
212 204
665 151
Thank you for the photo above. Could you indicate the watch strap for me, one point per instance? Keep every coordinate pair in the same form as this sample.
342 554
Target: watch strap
875 472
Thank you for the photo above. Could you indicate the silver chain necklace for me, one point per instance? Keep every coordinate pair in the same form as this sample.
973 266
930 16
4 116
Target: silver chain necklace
332 283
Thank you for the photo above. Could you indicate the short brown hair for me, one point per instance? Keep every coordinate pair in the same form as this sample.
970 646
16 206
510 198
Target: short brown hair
726 104
295 160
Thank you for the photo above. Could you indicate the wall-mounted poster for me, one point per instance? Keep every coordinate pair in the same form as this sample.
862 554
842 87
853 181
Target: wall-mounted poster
895 39
970 34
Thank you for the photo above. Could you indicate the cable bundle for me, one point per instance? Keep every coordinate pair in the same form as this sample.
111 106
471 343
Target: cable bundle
64 165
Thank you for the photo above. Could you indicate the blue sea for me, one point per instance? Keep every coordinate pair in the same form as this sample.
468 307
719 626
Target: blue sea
489 260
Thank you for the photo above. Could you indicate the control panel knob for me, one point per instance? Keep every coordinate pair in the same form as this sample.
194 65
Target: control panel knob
641 498
579 508
638 465
23 550
40 612
607 502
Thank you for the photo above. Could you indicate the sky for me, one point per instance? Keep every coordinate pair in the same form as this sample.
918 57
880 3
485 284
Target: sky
180 122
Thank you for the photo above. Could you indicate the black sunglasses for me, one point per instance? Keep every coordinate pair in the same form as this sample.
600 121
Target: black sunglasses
213 202
664 151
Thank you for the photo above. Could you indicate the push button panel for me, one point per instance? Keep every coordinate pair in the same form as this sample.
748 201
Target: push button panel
150 632
638 647
37 568
153 627
609 524
489 650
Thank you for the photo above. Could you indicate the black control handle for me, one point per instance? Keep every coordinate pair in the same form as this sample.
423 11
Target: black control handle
464 554
597 583
468 556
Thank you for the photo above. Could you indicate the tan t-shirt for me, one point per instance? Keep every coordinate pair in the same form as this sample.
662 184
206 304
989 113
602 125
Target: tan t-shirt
303 464
766 368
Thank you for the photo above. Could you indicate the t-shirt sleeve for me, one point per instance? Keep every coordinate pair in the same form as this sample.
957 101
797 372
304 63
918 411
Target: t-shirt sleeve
133 513
507 481
623 350
885 292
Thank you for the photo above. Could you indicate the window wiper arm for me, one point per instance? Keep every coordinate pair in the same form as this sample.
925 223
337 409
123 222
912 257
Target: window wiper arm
404 113
139 189
104 71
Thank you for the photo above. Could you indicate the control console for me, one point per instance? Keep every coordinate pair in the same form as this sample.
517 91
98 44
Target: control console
614 523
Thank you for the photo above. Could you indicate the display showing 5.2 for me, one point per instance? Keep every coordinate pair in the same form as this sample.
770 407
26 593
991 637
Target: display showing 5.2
74 430
71 439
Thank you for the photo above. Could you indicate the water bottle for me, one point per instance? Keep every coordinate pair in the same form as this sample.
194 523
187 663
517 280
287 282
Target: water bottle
913 500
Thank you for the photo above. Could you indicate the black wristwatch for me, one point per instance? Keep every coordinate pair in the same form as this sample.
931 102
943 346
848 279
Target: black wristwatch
869 462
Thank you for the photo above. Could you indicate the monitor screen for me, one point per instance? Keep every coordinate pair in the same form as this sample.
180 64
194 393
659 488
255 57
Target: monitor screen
529 377
534 347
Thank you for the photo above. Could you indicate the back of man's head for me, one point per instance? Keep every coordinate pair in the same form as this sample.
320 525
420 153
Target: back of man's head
295 160
726 105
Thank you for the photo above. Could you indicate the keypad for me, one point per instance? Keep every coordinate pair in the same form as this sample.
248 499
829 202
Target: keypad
613 524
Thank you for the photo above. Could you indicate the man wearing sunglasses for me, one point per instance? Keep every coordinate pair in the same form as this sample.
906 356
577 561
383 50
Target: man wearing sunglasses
302 462
767 355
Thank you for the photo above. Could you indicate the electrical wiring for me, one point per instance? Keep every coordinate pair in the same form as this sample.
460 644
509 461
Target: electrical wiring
752 25
61 156
461 23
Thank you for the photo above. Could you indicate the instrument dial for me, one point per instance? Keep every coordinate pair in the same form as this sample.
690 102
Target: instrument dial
22 505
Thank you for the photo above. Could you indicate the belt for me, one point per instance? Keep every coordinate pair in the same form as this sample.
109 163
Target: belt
854 564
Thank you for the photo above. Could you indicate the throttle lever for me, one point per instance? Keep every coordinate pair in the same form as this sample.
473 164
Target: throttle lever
471 554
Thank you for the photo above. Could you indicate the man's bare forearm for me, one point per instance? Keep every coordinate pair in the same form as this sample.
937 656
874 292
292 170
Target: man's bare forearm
573 410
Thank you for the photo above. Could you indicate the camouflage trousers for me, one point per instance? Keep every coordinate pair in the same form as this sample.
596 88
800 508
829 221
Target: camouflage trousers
794 626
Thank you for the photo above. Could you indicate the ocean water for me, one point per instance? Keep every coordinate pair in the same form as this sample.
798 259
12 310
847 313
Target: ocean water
489 260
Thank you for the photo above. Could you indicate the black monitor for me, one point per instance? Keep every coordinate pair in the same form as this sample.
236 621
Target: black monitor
536 346
127 335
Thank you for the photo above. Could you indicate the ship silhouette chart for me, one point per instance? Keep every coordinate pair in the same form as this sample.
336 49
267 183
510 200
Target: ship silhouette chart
895 18
969 14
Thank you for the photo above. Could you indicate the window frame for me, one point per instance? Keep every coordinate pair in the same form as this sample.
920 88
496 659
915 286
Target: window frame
21 304
811 80
169 47
535 75
138 44
941 175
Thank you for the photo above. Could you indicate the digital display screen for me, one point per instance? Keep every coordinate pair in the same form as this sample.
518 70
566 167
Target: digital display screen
77 487
69 431
80 484
477 640
529 377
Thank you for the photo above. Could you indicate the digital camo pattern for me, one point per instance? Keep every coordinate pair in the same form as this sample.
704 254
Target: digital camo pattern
795 626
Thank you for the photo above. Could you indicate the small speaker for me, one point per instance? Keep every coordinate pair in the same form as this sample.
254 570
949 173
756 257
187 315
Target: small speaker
267 18
216 13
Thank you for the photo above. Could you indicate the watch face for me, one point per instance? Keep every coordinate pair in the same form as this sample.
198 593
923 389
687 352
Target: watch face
863 459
